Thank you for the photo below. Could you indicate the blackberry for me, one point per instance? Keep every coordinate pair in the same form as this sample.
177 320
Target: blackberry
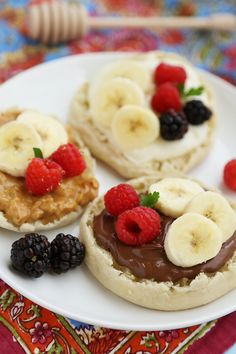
31 255
196 112
67 253
173 125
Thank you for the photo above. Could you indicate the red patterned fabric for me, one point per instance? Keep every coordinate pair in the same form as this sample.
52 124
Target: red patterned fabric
26 327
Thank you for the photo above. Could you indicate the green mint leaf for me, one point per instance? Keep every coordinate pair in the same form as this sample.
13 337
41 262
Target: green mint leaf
181 89
149 200
38 153
194 91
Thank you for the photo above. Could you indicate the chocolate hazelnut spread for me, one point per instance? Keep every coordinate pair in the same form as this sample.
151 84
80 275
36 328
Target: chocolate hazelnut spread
149 260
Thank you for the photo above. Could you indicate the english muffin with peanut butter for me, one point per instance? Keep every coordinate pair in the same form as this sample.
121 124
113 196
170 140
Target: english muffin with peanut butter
162 243
153 113
45 179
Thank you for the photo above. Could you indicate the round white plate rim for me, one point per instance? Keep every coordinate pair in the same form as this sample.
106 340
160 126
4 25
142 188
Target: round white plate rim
49 63
63 59
117 325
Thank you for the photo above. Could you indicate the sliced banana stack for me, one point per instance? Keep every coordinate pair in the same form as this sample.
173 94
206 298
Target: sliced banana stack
18 138
17 141
175 194
134 127
118 96
192 239
204 220
216 208
128 69
111 96
51 131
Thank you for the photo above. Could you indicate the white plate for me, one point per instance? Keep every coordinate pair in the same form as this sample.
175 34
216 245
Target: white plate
50 87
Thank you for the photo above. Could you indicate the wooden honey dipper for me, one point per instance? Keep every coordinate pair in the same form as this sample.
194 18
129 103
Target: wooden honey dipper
56 21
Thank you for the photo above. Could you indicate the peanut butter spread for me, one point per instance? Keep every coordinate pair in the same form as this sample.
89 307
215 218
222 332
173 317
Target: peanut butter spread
19 207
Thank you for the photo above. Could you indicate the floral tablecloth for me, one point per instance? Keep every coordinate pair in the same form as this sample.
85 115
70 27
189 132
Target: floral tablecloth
27 327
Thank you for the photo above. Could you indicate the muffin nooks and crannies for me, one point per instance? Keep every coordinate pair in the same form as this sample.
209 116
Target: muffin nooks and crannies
46 179
175 250
152 112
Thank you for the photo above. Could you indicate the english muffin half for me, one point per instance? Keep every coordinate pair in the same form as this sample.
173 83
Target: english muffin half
135 126
26 210
191 260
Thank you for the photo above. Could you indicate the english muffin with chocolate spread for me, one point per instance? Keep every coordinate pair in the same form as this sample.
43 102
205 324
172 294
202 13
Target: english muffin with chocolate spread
163 243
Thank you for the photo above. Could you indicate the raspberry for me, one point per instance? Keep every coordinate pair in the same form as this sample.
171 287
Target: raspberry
121 198
230 175
42 176
70 159
166 97
174 125
137 226
169 73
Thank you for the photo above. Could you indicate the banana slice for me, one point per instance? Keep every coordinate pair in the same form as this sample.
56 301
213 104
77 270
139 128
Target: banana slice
175 194
192 239
111 96
216 208
51 131
135 127
129 69
17 141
